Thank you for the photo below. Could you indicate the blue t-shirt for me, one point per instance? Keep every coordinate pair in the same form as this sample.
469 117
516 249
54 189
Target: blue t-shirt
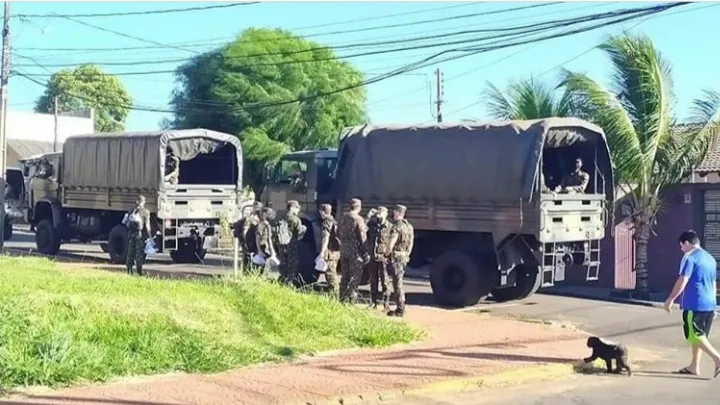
701 268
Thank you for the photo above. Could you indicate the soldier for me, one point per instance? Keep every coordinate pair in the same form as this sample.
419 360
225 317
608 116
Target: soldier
264 235
378 241
244 231
138 224
330 248
289 233
172 168
401 244
575 182
352 233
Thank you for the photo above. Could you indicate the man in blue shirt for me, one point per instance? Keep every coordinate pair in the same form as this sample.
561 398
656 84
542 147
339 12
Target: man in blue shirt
698 286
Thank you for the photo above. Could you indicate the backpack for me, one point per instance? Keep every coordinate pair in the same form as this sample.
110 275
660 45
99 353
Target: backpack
283 233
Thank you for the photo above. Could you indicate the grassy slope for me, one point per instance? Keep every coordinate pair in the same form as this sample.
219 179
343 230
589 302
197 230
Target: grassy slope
59 326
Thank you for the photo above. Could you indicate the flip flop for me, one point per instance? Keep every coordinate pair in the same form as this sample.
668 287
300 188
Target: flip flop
685 371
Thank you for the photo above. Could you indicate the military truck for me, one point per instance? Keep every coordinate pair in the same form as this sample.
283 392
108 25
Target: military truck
478 194
85 191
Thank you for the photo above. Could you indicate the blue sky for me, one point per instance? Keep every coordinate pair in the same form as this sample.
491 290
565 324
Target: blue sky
686 36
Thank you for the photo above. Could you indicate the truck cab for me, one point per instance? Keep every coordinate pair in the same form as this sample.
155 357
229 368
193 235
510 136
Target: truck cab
308 177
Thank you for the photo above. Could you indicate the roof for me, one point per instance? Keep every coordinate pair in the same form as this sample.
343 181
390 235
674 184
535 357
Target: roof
27 148
711 163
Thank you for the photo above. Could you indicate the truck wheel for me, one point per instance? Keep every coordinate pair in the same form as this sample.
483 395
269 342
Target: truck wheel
8 231
457 280
188 253
47 239
527 283
117 244
306 261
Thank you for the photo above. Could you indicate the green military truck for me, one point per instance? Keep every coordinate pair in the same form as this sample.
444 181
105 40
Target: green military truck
478 195
84 192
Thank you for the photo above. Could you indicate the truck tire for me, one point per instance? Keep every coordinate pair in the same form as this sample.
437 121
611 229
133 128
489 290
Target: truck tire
47 239
527 283
187 253
458 280
306 260
117 244
8 231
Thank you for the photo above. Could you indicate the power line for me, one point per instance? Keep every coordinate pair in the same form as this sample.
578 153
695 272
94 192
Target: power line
524 30
130 13
585 52
622 16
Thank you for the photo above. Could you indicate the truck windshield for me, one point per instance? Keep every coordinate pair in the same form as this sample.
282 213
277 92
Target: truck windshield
288 170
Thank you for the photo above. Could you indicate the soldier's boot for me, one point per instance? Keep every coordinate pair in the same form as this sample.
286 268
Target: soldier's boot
386 304
139 270
129 270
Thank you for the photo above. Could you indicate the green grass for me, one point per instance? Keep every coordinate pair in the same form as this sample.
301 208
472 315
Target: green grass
60 326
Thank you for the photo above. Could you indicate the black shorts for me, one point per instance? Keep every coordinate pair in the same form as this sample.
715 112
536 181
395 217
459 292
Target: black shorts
697 324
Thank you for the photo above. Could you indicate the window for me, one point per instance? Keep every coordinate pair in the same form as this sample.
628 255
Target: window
287 171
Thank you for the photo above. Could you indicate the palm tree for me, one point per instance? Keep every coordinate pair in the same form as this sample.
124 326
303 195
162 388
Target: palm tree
527 99
637 116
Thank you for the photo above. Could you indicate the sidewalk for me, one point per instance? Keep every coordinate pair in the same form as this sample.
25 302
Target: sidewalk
604 294
458 346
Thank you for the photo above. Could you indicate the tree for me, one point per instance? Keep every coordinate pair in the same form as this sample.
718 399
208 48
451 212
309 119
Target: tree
87 87
527 99
242 88
637 116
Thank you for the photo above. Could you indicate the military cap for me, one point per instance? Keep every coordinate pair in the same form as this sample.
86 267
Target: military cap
326 208
267 211
382 209
293 204
355 203
400 208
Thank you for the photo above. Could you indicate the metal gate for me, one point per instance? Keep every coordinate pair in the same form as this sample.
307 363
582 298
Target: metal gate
711 223
624 256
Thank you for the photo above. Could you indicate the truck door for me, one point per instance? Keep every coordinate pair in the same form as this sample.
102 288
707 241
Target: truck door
287 181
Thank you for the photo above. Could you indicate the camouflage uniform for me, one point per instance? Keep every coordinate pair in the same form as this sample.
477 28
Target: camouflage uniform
289 259
402 240
352 233
331 253
576 181
378 244
244 231
264 235
136 242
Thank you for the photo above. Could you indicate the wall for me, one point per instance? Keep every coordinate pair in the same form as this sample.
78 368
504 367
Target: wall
41 127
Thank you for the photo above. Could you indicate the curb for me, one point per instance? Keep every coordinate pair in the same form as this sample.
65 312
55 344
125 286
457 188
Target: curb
467 384
616 300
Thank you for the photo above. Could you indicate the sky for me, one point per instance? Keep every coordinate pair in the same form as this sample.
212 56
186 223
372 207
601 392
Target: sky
686 36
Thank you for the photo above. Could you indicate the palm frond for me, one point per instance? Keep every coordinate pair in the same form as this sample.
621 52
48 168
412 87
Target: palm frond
524 100
498 106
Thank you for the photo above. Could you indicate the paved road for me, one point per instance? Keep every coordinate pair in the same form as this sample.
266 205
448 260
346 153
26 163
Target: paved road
636 326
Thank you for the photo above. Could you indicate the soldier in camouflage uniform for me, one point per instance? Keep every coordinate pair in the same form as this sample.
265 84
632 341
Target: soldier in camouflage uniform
138 224
378 241
401 244
264 235
289 253
352 233
244 231
576 182
330 248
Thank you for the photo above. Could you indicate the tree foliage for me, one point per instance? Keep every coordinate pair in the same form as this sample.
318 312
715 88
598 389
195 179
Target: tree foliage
87 87
637 115
229 90
528 99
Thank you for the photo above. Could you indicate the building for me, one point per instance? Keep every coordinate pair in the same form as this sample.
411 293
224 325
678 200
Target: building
31 133
693 204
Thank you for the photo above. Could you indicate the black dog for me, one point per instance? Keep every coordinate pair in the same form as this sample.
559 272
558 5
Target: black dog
609 351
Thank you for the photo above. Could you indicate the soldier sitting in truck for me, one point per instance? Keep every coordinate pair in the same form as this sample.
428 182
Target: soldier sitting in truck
576 181
172 168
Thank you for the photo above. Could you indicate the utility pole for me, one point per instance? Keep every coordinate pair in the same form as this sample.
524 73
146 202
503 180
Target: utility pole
3 113
439 81
55 108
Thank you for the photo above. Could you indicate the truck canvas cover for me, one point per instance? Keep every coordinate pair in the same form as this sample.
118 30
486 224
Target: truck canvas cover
135 160
467 161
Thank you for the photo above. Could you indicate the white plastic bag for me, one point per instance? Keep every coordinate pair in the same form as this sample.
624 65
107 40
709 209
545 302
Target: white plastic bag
273 261
320 264
258 259
150 247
